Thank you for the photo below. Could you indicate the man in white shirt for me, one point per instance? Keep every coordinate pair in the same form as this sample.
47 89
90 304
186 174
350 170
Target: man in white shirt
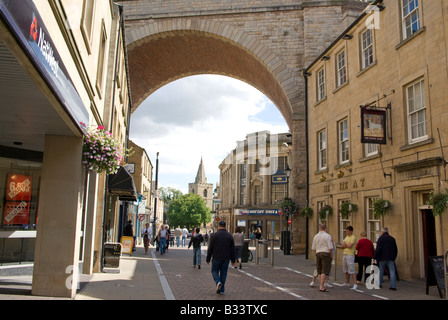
184 236
323 247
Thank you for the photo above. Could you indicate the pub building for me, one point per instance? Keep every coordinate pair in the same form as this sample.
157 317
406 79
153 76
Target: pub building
377 146
55 79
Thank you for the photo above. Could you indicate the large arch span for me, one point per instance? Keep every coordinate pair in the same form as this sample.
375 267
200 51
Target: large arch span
168 56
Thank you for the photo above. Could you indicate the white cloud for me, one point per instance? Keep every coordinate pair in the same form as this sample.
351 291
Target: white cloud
200 116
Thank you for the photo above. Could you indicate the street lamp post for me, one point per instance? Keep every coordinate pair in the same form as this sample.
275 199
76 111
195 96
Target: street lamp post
156 197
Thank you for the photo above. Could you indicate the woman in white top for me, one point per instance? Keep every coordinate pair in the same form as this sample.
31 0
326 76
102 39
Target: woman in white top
238 239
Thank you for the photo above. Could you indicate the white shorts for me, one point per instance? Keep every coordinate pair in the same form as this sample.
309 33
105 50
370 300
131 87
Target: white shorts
348 264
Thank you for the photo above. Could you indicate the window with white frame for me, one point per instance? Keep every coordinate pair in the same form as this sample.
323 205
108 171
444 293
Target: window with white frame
343 141
371 149
367 48
87 22
410 17
416 109
320 84
373 224
322 156
341 71
100 78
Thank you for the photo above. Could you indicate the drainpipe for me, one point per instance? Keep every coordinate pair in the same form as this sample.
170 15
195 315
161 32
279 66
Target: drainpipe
305 75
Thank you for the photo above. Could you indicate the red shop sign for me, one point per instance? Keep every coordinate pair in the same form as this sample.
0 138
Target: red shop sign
19 187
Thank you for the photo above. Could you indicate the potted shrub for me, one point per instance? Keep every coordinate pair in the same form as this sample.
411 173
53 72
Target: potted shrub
325 211
306 212
289 207
380 207
347 208
438 201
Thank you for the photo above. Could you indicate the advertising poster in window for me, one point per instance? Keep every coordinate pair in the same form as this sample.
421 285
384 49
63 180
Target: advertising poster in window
16 212
18 199
373 125
19 187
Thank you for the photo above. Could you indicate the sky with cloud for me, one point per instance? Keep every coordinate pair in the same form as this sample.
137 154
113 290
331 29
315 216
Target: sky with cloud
200 116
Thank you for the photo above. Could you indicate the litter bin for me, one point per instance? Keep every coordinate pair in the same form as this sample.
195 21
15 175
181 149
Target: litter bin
263 249
245 253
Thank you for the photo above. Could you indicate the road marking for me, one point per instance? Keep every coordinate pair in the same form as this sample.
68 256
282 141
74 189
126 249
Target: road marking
165 286
273 285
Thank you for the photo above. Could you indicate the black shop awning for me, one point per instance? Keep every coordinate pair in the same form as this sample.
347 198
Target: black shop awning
122 185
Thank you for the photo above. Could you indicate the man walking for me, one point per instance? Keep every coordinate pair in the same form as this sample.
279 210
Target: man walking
323 247
386 253
222 249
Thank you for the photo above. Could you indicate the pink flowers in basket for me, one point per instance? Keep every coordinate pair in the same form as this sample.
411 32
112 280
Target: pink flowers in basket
101 151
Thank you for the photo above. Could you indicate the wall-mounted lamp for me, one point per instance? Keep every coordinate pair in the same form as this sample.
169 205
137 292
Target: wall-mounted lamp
323 178
340 174
288 171
347 37
325 58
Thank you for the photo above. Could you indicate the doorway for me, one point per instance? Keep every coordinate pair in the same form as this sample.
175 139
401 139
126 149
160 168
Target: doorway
429 236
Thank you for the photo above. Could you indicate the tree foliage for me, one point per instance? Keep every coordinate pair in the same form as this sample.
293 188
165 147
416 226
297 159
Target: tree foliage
188 210
167 194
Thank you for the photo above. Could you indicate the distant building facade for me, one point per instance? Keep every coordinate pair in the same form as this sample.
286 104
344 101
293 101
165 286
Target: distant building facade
201 187
253 181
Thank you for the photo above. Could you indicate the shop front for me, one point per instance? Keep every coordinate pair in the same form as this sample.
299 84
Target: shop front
267 220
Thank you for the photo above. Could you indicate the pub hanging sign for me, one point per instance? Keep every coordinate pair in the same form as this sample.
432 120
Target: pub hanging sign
373 125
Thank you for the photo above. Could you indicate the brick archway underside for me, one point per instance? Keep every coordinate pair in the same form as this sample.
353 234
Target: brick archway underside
166 57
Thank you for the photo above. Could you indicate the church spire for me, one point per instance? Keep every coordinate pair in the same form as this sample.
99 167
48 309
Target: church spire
200 176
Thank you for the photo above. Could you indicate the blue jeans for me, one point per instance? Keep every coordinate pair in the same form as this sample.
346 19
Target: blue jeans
393 276
177 241
219 271
162 245
196 256
183 241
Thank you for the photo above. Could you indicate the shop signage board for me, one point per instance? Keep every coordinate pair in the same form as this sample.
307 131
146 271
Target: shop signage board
252 212
112 255
29 27
373 125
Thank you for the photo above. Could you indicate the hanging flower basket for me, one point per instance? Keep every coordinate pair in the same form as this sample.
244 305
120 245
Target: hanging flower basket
101 151
325 211
438 201
381 207
306 212
347 208
289 207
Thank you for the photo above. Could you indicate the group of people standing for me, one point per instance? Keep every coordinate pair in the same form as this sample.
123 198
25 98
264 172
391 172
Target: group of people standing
384 255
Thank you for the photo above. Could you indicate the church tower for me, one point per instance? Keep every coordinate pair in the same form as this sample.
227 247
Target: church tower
201 187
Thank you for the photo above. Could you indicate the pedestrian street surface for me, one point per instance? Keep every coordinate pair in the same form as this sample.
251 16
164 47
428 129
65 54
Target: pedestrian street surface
252 282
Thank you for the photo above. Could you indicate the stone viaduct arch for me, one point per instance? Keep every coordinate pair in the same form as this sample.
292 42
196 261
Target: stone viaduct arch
264 43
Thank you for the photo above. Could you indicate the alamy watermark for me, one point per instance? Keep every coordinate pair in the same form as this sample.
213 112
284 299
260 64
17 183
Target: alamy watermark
259 146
